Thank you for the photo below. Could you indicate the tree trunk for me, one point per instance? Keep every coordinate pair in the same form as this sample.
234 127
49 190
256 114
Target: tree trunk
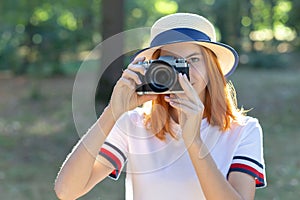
112 23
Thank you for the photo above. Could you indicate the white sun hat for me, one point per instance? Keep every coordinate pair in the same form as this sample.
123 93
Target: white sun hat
192 28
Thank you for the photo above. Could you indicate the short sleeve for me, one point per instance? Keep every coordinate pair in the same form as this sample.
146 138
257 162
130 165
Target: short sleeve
115 147
248 157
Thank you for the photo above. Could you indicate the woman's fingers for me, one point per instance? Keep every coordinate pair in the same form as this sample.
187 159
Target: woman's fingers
182 104
139 59
183 108
126 82
175 99
187 87
189 101
136 66
128 74
131 73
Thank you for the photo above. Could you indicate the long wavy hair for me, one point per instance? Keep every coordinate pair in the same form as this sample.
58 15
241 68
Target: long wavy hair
220 104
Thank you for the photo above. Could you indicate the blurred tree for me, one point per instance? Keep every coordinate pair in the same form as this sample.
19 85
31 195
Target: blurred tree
112 23
44 37
227 20
38 36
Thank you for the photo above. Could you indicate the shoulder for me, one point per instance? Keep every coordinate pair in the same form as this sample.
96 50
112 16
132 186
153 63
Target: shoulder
249 121
246 128
246 123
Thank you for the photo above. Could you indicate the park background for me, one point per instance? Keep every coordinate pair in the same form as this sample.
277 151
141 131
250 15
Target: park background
43 44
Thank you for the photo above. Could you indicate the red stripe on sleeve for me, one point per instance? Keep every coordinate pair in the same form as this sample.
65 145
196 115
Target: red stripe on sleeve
246 167
113 157
114 173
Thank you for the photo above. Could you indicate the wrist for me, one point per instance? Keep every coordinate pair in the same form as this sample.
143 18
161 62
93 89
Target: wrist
107 120
198 148
112 113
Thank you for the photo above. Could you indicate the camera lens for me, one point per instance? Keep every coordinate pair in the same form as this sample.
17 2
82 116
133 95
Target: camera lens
160 77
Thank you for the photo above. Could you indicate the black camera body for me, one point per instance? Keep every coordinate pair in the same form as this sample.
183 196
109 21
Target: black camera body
161 75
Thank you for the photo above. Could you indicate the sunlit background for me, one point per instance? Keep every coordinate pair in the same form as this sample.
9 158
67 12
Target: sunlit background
43 43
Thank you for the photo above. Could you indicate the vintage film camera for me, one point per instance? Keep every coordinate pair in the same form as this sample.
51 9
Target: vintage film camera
162 75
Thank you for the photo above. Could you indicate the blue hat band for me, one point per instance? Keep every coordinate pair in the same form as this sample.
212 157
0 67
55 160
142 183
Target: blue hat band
179 35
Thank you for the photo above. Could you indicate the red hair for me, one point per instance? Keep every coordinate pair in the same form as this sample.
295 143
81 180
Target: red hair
220 107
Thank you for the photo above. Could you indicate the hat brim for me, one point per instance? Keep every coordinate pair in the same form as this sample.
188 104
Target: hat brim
228 58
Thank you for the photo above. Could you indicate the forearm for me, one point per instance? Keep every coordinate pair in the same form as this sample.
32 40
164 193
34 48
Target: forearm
77 168
213 183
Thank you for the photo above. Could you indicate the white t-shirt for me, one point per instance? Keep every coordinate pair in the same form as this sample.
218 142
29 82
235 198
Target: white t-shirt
163 170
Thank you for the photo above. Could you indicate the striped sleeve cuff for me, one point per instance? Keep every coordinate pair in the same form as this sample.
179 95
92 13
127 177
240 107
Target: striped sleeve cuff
115 156
249 166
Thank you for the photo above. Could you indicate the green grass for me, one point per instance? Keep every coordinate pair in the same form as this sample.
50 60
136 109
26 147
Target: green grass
36 134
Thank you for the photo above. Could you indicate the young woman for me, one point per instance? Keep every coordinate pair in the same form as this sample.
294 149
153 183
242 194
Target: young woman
194 144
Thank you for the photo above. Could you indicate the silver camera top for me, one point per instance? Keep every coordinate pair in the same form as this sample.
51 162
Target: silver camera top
173 61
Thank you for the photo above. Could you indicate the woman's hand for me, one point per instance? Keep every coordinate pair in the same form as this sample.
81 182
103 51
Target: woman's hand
190 109
124 96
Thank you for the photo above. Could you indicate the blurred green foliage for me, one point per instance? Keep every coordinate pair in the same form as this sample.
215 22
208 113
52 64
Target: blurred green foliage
38 36
50 37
